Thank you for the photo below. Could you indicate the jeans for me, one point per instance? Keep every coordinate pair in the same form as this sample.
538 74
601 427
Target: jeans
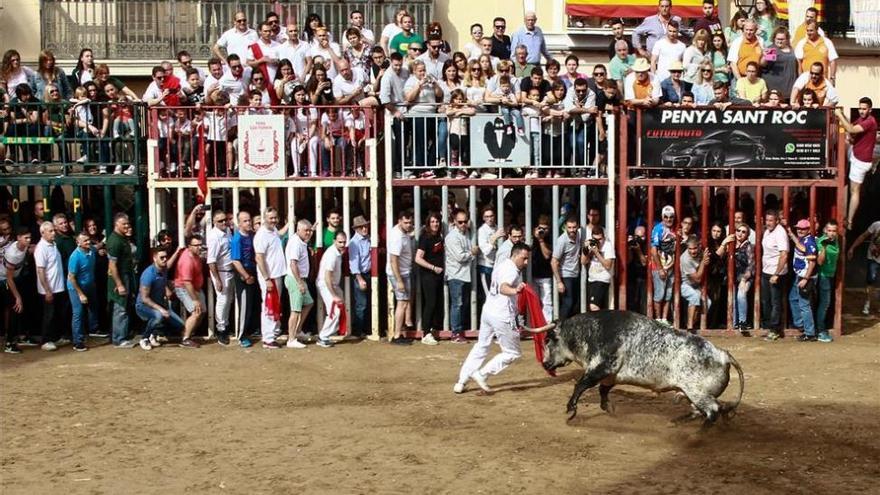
425 137
120 314
570 300
484 280
771 303
512 115
330 156
826 292
741 302
52 313
78 310
459 300
801 308
442 137
360 317
155 320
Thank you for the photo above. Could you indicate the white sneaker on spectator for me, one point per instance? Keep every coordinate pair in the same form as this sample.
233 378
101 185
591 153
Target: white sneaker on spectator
295 344
429 339
866 309
49 346
155 341
117 170
172 169
62 341
125 344
82 159
145 344
130 170
474 174
102 170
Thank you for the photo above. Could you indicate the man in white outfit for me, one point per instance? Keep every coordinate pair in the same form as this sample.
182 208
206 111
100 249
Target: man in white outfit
329 277
270 264
220 266
498 321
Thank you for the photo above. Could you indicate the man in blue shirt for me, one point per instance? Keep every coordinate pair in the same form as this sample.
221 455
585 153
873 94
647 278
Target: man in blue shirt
360 264
803 265
662 261
532 38
152 301
247 292
81 289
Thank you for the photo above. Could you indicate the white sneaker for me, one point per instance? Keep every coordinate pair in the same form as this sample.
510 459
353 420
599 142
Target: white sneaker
474 174
145 344
118 170
481 381
125 344
429 339
102 170
154 341
49 346
295 344
62 341
458 388
130 170
866 309
172 169
82 159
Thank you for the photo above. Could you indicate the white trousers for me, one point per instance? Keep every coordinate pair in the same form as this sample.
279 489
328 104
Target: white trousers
545 291
312 144
268 326
508 338
331 324
225 300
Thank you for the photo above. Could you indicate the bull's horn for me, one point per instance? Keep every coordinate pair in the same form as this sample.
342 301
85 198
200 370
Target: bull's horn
545 328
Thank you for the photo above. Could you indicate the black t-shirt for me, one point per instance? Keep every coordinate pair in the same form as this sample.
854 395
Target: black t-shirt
540 264
501 49
432 245
526 84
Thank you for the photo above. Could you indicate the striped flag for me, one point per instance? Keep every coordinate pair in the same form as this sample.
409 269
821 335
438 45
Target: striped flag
630 8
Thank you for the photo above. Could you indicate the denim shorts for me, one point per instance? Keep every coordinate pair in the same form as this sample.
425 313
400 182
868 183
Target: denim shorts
187 301
401 292
692 295
662 288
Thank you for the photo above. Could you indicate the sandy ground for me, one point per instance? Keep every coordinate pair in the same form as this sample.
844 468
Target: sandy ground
375 418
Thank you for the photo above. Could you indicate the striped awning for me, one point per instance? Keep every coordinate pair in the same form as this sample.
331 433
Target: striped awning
630 8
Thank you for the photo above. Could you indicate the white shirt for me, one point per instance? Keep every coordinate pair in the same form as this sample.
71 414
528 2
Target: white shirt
831 97
235 87
297 252
488 251
296 54
12 257
434 66
237 42
596 271
48 257
215 125
315 50
390 31
218 249
343 87
773 243
504 251
400 245
271 51
331 261
667 52
498 305
153 91
832 52
210 81
268 243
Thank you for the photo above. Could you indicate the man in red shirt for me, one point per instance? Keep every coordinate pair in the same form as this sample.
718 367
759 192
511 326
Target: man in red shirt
188 283
862 135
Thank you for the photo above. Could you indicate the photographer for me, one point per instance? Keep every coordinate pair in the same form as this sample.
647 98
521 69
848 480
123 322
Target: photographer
542 274
636 272
600 256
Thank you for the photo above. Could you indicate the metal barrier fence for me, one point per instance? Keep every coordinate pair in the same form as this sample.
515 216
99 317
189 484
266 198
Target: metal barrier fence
320 141
87 137
158 29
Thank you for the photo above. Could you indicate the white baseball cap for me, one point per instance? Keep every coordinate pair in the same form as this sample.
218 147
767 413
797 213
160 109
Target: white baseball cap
668 211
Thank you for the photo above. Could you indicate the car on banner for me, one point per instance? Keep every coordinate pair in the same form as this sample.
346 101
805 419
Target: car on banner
724 148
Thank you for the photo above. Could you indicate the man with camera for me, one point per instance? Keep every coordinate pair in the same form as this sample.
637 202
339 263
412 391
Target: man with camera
542 274
636 273
600 256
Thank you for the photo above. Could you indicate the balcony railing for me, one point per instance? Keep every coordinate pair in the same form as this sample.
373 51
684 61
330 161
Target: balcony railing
158 29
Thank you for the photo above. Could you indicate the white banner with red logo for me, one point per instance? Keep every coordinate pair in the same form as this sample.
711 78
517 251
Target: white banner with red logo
261 147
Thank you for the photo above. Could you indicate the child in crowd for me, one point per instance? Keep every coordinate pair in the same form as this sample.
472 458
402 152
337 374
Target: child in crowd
182 134
166 154
554 122
533 109
509 106
356 125
302 134
333 136
457 110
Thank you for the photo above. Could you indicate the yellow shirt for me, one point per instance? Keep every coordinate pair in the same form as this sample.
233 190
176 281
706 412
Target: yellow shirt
749 91
748 52
815 52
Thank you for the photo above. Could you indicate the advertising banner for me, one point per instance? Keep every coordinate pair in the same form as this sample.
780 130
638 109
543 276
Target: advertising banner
757 138
261 147
491 146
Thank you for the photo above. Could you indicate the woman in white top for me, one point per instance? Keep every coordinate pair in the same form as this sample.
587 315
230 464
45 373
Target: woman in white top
703 81
12 73
695 55
302 133
285 82
392 30
472 49
475 85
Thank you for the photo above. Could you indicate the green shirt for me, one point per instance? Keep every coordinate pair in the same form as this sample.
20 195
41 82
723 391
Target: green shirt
329 237
617 68
400 43
66 245
832 251
119 249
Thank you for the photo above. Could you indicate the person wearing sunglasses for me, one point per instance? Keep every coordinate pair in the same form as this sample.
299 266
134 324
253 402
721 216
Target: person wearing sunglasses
815 80
460 256
803 265
501 43
235 40
744 272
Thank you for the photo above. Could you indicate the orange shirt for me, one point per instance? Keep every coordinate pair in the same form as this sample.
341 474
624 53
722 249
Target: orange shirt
642 91
821 90
748 52
799 34
815 52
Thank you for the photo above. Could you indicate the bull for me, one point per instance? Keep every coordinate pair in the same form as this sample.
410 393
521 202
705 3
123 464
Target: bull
626 348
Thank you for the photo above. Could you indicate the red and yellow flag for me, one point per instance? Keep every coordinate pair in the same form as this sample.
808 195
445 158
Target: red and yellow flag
630 8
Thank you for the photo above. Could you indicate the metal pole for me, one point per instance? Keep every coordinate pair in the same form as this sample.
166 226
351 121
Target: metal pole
610 199
582 197
555 237
416 279
731 252
475 277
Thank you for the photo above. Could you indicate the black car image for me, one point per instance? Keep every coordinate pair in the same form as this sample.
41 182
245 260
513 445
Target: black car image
716 149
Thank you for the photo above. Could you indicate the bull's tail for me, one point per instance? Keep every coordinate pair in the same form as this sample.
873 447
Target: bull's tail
730 408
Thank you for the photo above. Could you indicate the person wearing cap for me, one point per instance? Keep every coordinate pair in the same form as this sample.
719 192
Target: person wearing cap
638 86
670 90
666 51
360 265
661 262
803 264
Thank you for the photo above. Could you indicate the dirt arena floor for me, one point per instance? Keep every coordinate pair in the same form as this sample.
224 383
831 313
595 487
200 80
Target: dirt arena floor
375 418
